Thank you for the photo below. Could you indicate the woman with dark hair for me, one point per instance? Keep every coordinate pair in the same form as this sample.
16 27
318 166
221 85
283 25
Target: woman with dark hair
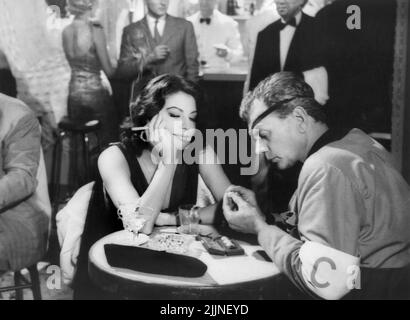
167 111
148 172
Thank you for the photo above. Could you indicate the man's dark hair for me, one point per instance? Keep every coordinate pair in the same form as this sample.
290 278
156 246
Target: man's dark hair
282 93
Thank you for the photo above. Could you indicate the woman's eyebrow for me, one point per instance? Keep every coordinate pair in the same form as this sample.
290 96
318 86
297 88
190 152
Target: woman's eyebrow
173 107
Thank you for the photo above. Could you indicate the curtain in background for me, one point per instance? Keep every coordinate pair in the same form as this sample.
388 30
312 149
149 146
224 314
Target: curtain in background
114 15
34 52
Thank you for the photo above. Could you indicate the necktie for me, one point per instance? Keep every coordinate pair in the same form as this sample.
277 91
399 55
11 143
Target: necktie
291 22
157 36
205 20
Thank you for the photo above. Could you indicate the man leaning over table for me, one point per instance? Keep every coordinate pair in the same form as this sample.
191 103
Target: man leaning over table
218 37
351 208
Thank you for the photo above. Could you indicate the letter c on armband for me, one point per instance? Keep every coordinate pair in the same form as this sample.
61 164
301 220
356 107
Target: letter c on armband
314 272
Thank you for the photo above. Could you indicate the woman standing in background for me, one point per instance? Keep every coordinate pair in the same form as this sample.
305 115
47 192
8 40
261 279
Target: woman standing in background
85 46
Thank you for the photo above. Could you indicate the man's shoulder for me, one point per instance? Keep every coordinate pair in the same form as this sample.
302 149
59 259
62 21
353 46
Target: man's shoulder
307 21
352 150
330 157
193 18
11 112
308 18
12 107
181 22
134 26
270 28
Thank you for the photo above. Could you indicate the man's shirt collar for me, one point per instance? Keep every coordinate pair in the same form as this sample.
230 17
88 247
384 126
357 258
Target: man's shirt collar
298 18
151 19
328 137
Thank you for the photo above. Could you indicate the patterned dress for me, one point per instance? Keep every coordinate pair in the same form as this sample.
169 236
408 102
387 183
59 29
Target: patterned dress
89 98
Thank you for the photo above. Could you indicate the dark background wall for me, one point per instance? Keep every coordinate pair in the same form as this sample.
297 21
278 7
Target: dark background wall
360 63
406 121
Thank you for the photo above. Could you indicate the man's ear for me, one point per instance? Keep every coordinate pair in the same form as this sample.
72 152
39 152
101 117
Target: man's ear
301 117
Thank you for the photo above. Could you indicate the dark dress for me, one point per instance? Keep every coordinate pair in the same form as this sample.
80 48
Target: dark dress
88 98
102 218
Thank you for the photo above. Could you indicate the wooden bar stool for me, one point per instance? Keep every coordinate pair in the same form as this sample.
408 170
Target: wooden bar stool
21 283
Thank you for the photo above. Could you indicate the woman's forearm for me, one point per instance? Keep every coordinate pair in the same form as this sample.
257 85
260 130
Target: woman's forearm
207 216
153 198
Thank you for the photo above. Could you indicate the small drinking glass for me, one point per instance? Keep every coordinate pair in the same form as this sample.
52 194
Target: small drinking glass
134 217
189 220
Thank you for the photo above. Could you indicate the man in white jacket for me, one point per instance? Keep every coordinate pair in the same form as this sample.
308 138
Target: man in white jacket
218 37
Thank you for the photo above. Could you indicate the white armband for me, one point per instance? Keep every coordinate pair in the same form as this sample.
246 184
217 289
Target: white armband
329 273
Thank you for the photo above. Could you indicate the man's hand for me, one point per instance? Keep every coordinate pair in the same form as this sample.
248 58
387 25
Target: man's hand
242 215
245 194
222 51
160 53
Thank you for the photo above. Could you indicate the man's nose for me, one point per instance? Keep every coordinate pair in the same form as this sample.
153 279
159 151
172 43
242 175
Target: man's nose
260 147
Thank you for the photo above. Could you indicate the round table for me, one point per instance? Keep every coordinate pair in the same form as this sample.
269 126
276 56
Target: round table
239 277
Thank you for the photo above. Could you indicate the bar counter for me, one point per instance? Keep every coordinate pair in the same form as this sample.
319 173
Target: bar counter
235 72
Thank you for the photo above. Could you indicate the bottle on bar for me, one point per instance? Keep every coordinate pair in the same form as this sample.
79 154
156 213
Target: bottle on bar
231 8
252 8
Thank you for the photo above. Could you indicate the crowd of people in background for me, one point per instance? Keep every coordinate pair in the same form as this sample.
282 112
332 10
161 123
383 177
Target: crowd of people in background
311 81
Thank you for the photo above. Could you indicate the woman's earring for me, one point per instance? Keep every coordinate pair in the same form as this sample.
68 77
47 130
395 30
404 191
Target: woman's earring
143 136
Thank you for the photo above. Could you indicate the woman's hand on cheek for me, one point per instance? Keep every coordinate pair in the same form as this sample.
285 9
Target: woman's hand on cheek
153 134
164 147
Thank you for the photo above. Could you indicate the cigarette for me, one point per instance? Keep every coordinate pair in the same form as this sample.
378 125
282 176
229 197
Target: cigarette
136 129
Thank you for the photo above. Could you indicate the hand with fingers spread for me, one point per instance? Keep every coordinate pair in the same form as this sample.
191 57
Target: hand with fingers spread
241 210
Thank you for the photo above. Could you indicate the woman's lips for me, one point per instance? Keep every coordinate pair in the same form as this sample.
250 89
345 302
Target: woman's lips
186 137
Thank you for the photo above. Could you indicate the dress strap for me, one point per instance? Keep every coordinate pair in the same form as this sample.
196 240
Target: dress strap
138 179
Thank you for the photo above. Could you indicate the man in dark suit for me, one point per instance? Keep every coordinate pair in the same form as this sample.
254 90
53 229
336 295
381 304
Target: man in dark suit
288 44
158 44
359 63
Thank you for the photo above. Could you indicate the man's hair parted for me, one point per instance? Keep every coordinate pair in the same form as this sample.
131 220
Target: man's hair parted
283 92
